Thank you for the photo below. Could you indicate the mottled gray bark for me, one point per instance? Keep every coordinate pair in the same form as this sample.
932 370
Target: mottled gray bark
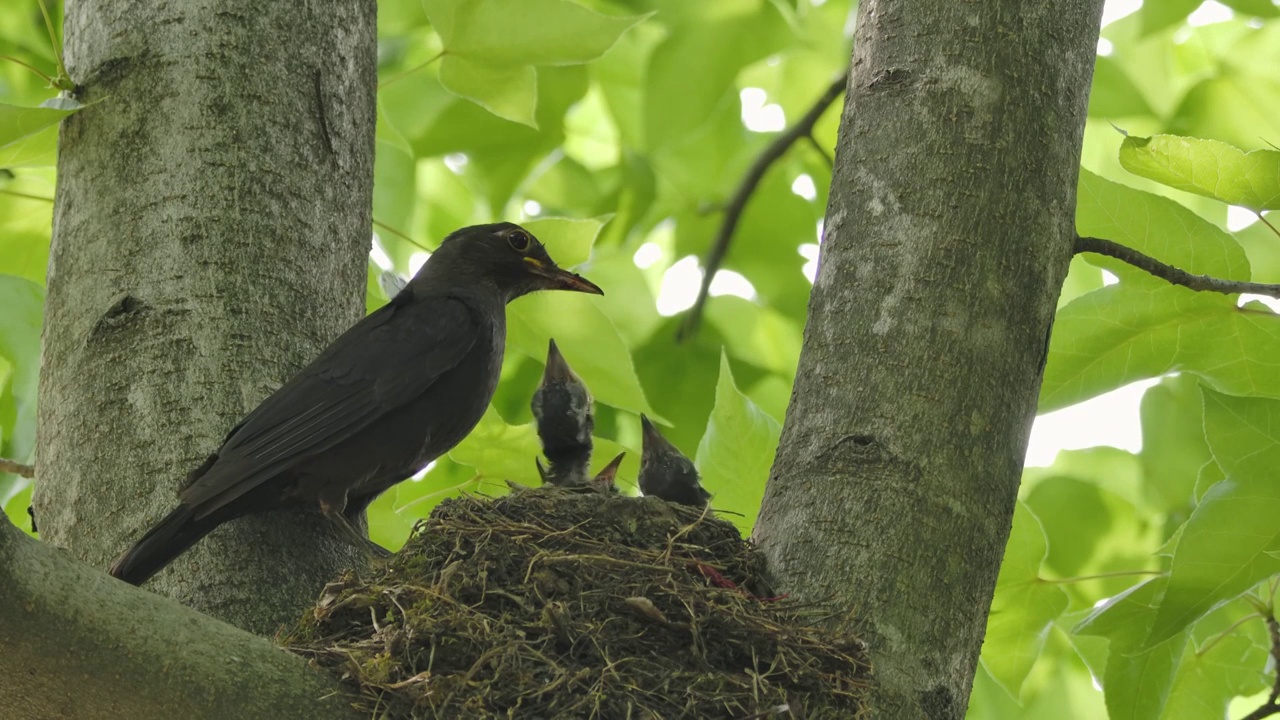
947 238
78 644
210 237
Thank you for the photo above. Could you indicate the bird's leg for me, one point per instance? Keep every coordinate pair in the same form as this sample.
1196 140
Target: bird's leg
334 512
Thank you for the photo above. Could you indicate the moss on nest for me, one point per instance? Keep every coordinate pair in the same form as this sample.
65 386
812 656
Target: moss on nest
550 603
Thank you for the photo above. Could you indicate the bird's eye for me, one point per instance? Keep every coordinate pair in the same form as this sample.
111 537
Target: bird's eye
519 241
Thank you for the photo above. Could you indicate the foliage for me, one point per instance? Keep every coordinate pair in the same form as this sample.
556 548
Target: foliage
1144 573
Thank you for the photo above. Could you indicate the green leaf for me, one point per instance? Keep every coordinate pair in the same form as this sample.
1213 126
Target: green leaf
393 186
588 340
736 450
568 241
1207 680
1136 681
1207 167
1173 445
1243 433
21 137
1155 226
509 92
500 451
23 303
492 46
1160 15
1144 327
1238 105
1257 8
1229 543
691 73
1024 607
1074 517
1114 94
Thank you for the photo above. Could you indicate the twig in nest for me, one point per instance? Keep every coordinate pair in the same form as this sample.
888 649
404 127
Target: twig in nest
733 211
1169 273
17 468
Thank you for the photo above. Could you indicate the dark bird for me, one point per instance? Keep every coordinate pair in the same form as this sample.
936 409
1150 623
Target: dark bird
666 473
562 412
395 391
606 480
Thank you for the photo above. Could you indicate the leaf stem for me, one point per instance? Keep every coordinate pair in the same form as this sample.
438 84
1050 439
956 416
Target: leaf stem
400 235
1100 576
15 193
1267 222
32 68
57 50
410 71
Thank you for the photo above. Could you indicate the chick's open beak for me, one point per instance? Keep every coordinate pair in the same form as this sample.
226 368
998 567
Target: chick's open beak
561 279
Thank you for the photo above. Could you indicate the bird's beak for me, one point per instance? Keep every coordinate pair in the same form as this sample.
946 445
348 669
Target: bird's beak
558 370
652 438
610 471
561 279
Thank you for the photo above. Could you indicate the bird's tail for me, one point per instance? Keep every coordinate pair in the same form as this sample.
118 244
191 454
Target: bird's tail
178 531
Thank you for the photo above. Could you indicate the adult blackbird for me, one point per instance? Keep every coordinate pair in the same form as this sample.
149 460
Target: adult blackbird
395 391
666 473
562 412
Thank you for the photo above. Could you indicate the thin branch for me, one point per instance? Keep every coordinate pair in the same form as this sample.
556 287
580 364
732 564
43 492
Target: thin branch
17 468
1225 633
1272 706
813 141
733 211
1171 274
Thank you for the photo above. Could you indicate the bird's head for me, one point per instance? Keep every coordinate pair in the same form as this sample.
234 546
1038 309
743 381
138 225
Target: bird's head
665 471
562 406
504 255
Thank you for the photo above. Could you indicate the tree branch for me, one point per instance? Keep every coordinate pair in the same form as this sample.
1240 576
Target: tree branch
80 644
1170 274
733 211
17 468
1272 706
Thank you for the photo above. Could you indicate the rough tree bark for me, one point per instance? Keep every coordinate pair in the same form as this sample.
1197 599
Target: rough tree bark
210 236
78 644
948 235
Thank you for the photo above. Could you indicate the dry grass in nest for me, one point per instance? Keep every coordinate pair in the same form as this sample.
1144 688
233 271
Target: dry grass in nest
550 603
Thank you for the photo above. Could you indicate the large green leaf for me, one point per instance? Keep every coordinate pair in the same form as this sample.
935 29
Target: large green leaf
26 132
568 241
737 450
1232 539
1207 167
23 303
1137 680
491 47
1024 607
1230 543
1173 444
588 339
1144 327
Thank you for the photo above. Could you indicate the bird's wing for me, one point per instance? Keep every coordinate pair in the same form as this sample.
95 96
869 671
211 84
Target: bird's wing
382 362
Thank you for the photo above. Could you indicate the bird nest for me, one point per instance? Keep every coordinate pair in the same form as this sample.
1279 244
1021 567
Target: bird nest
554 603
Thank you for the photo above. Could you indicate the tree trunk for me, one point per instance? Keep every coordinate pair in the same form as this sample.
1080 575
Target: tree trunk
78 644
948 235
210 237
